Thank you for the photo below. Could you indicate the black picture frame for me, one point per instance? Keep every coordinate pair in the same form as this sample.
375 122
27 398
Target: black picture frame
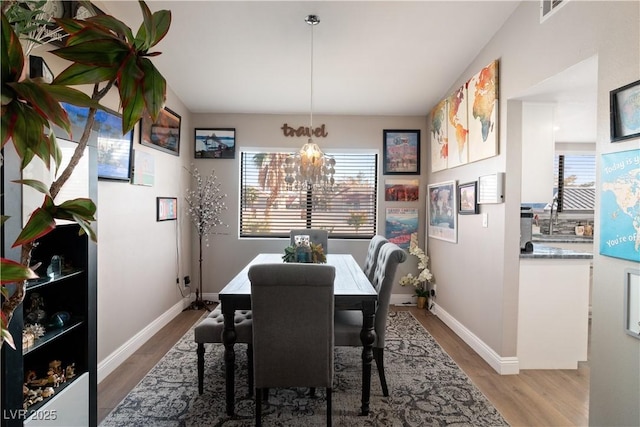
113 147
401 152
468 198
38 68
166 208
164 133
214 143
624 104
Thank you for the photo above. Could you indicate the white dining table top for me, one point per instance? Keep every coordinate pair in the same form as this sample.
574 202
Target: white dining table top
350 280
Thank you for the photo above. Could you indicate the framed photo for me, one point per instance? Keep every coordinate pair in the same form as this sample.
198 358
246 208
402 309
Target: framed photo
401 190
166 208
163 134
400 225
215 143
401 152
468 198
114 148
625 112
632 302
441 208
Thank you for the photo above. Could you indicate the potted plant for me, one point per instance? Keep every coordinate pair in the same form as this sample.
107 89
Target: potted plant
420 281
103 52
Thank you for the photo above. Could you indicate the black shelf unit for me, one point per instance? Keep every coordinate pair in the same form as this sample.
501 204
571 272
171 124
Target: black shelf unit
73 292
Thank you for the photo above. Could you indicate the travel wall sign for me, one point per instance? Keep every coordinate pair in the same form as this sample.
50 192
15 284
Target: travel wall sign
319 132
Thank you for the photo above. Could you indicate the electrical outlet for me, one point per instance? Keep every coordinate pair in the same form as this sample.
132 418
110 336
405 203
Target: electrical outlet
485 220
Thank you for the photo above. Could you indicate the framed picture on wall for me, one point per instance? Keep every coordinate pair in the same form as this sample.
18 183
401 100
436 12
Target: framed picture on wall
441 209
625 112
401 152
215 143
468 198
114 148
163 134
166 208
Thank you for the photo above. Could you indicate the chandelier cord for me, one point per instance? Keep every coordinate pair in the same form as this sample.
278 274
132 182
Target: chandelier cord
311 95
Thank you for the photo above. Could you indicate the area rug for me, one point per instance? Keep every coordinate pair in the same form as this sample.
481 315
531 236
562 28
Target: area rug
426 388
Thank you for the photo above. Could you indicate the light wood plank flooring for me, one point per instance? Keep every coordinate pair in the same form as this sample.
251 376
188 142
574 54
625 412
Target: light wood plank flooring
532 398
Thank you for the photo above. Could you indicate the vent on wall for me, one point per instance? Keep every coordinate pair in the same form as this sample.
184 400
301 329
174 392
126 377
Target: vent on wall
548 7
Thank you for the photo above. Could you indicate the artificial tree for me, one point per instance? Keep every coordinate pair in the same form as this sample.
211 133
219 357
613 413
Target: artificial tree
205 203
104 52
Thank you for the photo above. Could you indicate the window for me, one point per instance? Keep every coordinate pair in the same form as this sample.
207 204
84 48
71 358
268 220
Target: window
575 181
269 209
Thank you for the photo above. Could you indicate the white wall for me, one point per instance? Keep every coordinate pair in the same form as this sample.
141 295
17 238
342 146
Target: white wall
226 253
483 295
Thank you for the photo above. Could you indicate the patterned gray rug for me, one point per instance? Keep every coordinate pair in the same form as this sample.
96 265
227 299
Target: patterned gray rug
426 388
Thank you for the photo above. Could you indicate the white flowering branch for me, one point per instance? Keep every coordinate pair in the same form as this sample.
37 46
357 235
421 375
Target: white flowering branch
205 203
420 281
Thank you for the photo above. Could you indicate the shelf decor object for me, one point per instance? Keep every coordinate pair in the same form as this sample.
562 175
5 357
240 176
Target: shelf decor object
441 208
163 134
625 112
215 143
401 152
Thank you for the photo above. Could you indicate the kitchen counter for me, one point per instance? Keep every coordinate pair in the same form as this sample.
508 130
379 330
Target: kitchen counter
561 238
548 252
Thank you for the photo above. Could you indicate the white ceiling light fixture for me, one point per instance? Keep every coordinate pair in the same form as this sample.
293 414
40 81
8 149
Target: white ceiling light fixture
310 168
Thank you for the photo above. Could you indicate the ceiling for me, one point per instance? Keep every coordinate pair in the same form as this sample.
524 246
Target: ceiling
370 57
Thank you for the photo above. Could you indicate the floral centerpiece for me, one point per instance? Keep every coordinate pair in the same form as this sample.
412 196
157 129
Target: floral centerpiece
420 281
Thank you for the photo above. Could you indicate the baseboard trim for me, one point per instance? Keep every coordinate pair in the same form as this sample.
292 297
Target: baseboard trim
115 359
502 365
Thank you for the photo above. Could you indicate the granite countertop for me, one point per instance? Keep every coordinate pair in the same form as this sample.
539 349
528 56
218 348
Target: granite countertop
561 238
548 252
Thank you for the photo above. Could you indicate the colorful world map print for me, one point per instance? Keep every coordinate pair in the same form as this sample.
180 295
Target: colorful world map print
482 105
620 205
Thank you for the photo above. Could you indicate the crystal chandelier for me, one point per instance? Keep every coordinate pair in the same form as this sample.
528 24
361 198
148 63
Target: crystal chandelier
310 168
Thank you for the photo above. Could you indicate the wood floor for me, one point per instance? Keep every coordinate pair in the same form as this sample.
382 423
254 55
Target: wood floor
532 398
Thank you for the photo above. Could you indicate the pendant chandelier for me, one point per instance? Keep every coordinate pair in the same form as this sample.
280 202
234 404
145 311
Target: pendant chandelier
310 168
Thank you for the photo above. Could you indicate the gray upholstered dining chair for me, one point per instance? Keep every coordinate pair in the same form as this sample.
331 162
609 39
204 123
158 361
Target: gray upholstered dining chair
348 323
209 330
316 236
371 260
293 307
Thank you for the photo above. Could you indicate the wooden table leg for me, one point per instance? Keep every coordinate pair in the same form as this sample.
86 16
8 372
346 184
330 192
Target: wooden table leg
367 336
229 339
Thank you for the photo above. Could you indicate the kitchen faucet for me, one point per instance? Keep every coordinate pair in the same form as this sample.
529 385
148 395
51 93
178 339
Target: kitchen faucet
551 219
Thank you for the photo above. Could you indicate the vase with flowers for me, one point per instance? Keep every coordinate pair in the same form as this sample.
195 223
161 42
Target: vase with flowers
420 281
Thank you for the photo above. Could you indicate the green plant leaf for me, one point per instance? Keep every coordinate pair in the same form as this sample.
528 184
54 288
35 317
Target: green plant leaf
77 74
86 228
100 53
83 207
40 223
146 32
161 22
41 101
154 88
6 337
35 184
15 272
114 24
131 95
12 57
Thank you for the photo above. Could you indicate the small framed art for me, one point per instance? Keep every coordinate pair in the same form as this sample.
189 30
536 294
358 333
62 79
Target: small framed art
468 198
401 152
625 112
166 208
163 134
215 143
632 302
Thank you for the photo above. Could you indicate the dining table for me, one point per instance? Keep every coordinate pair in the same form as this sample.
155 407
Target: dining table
352 291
